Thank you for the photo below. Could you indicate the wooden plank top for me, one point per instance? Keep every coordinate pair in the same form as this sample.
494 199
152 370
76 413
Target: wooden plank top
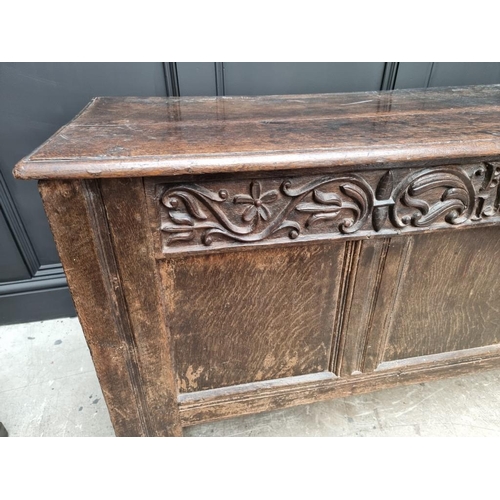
134 136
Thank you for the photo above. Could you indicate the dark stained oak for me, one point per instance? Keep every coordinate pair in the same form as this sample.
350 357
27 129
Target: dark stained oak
228 256
227 214
451 318
127 217
77 218
256 316
135 137
272 395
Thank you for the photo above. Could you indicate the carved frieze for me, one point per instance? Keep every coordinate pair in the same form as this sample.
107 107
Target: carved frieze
197 216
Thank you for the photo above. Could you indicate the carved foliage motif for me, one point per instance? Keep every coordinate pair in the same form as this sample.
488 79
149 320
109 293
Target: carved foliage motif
194 209
396 201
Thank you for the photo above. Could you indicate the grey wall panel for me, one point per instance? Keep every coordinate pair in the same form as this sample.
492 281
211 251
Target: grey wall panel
196 79
35 306
36 99
413 75
300 78
12 266
444 74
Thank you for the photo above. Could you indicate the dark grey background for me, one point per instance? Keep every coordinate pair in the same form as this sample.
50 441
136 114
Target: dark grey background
36 99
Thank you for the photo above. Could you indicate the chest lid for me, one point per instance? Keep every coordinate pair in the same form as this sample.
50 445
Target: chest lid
155 136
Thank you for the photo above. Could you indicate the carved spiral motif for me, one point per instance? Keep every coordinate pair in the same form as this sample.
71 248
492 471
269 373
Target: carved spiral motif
429 195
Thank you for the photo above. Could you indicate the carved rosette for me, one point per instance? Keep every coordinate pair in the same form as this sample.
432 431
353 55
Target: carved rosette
385 202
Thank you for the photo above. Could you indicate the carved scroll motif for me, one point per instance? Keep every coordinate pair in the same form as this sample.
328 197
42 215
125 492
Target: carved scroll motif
387 202
453 198
250 217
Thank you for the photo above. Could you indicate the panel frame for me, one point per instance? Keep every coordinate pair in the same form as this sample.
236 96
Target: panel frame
105 225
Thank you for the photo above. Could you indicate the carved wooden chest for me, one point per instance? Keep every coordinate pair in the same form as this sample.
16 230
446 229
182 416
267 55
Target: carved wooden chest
236 255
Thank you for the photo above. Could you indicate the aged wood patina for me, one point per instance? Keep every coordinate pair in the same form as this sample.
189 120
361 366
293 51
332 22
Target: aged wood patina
234 255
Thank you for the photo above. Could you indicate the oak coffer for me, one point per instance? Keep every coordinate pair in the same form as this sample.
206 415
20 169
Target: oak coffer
234 255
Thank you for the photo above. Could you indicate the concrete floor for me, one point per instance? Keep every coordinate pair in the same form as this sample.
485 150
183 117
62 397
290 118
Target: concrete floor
48 387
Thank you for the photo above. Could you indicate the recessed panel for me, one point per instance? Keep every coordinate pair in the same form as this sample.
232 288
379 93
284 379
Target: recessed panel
252 316
449 298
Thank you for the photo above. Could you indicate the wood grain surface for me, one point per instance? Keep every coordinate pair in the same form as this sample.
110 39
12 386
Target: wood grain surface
124 202
258 397
78 222
252 316
133 137
449 299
